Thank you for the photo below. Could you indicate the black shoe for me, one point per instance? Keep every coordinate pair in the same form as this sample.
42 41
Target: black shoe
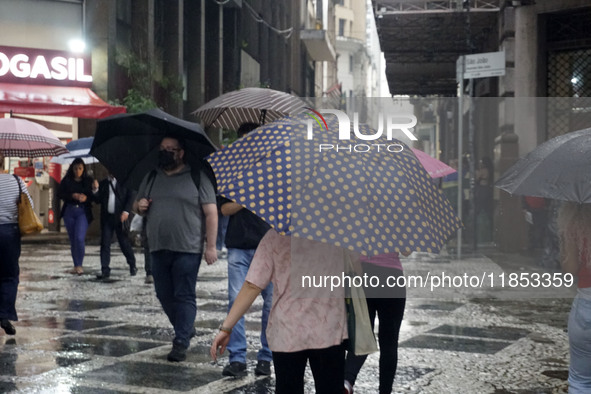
178 353
235 368
7 327
263 368
133 270
103 277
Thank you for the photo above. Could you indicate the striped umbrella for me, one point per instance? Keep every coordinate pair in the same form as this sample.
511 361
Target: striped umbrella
23 138
254 105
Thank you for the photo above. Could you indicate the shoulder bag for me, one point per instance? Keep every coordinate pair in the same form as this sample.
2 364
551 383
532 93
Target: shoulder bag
28 221
361 338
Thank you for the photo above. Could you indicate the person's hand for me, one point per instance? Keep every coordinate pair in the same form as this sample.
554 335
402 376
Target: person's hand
143 205
211 255
82 197
124 216
220 341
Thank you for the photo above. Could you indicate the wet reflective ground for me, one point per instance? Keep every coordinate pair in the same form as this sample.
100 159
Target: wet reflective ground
80 335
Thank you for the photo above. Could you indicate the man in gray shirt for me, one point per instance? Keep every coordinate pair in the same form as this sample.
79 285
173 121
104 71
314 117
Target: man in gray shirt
176 209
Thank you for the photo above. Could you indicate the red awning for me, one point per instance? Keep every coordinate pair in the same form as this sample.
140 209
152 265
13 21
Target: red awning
70 101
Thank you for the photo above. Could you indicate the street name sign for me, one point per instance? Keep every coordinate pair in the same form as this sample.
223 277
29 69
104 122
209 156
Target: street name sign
481 65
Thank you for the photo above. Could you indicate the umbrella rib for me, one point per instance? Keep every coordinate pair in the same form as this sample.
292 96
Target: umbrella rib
223 109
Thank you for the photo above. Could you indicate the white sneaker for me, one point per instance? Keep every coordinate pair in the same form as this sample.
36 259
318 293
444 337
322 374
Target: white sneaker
222 253
348 389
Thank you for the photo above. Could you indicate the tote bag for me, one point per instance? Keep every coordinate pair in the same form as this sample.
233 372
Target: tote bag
28 222
361 338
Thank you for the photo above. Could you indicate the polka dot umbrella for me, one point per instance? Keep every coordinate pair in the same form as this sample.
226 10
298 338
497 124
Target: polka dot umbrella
371 196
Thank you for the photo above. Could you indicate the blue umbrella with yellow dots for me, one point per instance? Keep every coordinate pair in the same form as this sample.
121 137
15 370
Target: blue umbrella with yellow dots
370 196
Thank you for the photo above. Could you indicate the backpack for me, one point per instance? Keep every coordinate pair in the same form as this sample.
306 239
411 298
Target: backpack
196 175
152 178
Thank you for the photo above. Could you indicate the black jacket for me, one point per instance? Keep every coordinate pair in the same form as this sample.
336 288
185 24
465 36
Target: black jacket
124 198
69 186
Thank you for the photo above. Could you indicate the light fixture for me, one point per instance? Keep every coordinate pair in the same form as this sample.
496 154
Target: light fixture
76 45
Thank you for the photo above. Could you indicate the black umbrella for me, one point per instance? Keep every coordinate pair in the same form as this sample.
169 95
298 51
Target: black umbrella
127 144
559 169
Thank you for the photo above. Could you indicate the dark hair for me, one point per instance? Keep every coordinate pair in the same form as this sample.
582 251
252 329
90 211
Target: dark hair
246 128
182 144
70 172
179 140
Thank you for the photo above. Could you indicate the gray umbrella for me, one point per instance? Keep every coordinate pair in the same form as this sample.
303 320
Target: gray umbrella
559 169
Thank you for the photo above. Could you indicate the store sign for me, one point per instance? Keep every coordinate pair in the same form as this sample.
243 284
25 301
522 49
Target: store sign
25 172
44 67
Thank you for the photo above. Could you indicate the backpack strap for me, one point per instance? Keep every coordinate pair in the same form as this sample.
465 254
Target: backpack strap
150 183
195 175
20 189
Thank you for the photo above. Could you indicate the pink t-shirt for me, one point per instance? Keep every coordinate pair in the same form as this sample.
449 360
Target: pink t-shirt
388 260
300 318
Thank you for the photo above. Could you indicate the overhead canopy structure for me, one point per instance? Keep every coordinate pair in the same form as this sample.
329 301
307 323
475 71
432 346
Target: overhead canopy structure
76 102
422 39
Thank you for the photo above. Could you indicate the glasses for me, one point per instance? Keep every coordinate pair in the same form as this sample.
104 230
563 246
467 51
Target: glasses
169 149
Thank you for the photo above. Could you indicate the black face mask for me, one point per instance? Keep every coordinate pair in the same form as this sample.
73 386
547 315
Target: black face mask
166 160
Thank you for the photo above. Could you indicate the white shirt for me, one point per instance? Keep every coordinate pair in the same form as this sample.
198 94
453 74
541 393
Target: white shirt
111 203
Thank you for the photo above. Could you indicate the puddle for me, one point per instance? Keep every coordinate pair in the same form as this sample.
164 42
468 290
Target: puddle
159 376
454 344
437 306
506 333
96 346
64 323
154 333
84 305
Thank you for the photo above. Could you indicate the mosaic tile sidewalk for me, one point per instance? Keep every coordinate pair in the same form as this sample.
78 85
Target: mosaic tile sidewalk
80 335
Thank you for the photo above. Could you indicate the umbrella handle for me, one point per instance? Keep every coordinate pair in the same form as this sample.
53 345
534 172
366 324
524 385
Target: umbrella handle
262 117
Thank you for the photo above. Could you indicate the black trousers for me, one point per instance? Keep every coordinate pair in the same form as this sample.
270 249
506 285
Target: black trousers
109 224
10 251
327 367
390 312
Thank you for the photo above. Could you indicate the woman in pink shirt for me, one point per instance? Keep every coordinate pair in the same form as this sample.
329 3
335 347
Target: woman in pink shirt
305 323
574 224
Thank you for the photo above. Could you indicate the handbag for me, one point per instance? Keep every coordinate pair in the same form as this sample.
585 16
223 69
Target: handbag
28 221
137 224
361 337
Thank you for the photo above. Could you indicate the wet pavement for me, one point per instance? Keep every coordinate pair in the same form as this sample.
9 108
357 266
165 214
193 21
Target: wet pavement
79 335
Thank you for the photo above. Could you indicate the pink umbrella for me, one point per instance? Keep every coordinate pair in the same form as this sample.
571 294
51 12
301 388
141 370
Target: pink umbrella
23 138
434 167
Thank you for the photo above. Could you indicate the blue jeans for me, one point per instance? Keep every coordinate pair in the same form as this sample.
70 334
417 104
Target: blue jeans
175 278
238 264
10 251
76 224
579 338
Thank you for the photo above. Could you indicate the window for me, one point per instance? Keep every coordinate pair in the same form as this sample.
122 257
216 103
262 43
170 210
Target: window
341 27
350 63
